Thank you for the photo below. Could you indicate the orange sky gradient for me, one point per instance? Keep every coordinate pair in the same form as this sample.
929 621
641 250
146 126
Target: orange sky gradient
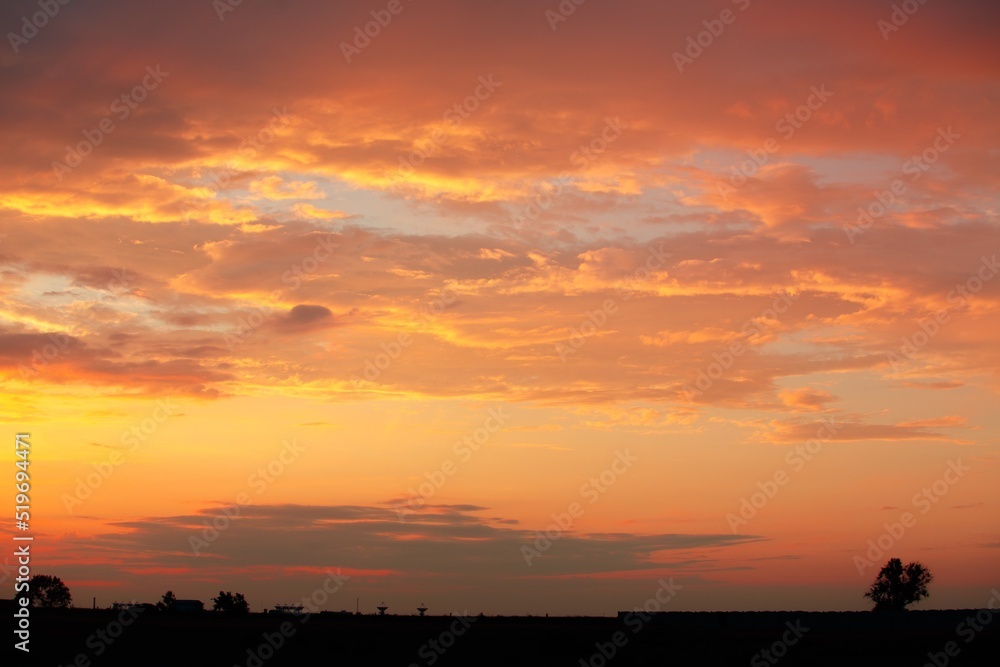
712 284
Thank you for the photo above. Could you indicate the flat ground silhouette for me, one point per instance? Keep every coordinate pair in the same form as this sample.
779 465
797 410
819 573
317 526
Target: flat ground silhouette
151 638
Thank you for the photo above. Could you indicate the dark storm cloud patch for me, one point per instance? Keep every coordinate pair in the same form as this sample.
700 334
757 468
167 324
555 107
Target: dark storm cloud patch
451 540
18 348
109 278
305 317
61 358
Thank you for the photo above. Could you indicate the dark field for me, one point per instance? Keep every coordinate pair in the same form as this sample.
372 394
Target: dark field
86 637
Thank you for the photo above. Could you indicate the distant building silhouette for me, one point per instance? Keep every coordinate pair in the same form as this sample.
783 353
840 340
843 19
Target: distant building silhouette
292 609
189 606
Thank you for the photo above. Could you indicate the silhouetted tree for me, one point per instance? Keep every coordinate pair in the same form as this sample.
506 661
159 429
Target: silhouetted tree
168 601
897 586
231 604
48 591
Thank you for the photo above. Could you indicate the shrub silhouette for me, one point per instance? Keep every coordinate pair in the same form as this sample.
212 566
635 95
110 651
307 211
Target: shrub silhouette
897 586
229 603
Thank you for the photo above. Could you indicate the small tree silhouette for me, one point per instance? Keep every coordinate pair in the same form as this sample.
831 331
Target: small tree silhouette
897 586
48 591
168 602
229 603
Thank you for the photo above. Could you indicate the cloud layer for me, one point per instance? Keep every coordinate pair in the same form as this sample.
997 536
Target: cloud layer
707 229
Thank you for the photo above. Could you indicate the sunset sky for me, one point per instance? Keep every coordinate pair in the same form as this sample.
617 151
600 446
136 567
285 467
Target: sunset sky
706 290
